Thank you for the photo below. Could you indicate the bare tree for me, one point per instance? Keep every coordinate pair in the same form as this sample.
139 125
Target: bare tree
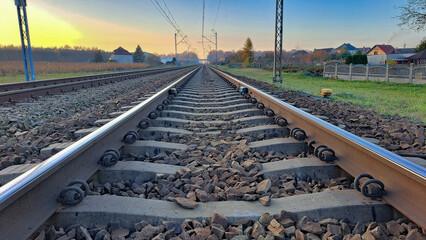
413 15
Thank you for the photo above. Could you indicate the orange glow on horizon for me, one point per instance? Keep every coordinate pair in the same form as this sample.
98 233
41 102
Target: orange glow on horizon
65 28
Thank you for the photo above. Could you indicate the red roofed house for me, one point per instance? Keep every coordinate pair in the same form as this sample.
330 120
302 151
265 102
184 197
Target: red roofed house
380 50
121 55
380 54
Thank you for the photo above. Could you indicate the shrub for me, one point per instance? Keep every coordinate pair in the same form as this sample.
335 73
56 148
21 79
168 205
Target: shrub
349 59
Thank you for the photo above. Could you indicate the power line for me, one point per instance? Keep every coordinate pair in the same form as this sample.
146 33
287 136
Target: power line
217 12
161 11
168 16
168 10
202 29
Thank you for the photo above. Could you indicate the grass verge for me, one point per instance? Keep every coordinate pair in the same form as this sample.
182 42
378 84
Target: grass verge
388 98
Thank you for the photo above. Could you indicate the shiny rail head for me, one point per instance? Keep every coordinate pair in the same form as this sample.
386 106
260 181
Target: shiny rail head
373 148
15 187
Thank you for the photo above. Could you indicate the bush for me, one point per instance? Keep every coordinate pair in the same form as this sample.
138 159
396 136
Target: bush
356 59
364 59
349 59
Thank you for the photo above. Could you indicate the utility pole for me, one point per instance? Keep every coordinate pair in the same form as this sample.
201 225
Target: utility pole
215 36
278 41
215 42
25 39
177 43
202 31
177 64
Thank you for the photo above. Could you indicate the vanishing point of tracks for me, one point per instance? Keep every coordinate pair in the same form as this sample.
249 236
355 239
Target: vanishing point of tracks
203 147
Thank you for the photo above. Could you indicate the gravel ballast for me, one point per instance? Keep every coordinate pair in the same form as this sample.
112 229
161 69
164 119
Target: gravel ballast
29 126
393 132
285 225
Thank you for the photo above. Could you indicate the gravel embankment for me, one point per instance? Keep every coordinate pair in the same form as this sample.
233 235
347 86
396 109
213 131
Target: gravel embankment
395 133
285 225
29 126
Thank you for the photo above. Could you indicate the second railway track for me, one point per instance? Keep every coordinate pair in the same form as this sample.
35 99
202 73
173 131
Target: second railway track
199 149
12 92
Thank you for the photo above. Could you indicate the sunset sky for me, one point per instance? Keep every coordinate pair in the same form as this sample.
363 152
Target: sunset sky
107 24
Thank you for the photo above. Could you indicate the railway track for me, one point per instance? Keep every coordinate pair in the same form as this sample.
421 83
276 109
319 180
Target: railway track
12 92
200 150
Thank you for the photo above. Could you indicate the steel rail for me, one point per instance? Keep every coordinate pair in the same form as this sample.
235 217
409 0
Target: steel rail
18 91
405 181
39 83
31 198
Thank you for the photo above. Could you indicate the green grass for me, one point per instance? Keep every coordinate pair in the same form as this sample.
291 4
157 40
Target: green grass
388 98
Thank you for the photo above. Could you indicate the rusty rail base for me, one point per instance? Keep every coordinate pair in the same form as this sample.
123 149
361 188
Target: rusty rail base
405 182
29 200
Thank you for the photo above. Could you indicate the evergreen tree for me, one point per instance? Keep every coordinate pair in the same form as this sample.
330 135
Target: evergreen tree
349 60
247 51
356 59
98 57
138 56
364 59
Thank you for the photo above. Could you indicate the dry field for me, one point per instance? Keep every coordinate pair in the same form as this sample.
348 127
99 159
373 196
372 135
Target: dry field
17 67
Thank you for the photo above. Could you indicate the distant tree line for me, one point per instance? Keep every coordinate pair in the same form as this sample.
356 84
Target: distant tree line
72 54
52 54
247 57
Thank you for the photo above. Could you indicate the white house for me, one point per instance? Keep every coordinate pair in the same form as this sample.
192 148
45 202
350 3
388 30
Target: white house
121 55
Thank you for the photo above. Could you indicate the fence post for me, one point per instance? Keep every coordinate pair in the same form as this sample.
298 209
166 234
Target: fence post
367 72
350 71
323 71
335 70
387 73
410 77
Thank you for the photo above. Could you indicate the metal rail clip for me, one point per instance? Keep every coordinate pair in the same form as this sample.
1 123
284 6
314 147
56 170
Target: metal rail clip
372 188
74 194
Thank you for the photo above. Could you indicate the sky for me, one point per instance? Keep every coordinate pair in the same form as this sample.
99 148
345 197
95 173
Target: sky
108 24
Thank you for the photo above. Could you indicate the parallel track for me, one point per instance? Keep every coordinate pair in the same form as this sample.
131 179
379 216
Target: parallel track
211 129
12 92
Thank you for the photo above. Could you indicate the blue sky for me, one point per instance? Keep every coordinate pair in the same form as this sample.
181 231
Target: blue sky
308 24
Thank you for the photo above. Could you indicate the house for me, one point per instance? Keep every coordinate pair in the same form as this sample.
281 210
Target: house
363 50
383 54
404 50
380 50
323 50
418 58
344 46
300 52
121 55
